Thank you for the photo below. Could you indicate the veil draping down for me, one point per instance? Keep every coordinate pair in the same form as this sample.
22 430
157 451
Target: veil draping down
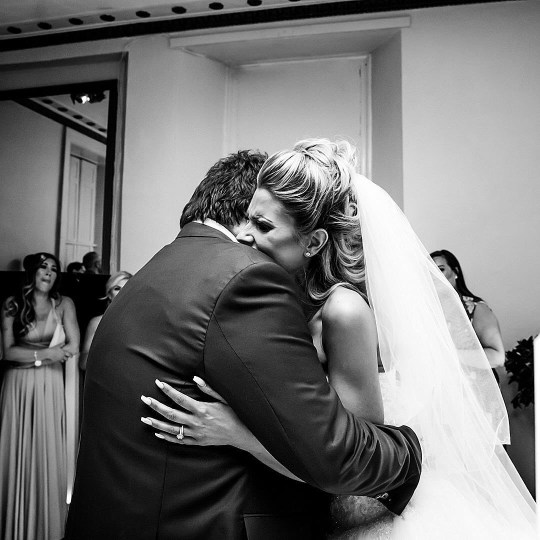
438 381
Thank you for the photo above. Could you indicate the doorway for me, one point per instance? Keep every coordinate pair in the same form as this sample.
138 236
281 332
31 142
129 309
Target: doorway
61 183
82 198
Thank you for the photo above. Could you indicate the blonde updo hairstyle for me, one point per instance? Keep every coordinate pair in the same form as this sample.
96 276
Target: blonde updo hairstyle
313 182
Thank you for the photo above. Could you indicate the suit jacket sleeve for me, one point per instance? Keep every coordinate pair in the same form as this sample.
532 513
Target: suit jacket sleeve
259 356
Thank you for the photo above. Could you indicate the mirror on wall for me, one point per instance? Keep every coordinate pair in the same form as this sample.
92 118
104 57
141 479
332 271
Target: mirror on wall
57 161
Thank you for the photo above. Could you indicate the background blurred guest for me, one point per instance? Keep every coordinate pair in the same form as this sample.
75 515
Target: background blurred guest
482 318
112 288
75 268
92 263
40 334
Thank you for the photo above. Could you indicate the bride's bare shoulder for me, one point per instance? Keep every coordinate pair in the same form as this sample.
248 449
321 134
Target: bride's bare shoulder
346 307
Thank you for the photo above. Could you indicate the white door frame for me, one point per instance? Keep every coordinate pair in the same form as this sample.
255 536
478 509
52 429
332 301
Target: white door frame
80 146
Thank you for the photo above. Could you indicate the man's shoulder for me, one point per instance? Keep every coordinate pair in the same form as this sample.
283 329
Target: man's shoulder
209 255
245 264
221 249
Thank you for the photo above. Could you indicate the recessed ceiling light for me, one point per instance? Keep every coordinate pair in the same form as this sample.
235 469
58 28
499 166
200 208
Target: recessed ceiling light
87 97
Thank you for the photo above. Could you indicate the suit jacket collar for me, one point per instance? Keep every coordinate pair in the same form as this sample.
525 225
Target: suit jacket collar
199 229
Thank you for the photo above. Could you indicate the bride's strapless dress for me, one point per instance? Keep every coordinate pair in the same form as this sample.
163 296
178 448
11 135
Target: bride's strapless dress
438 510
356 517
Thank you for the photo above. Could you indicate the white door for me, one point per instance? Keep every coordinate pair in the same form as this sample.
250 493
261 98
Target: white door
78 223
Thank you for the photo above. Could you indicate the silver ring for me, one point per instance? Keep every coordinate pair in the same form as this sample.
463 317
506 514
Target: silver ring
181 433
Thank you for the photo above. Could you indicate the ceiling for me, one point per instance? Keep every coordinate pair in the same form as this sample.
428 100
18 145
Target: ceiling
58 12
36 16
89 119
35 23
92 115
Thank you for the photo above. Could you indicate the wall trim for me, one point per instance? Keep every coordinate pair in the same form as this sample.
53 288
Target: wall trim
234 35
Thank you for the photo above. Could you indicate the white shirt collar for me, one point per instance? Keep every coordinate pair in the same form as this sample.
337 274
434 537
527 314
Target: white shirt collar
219 227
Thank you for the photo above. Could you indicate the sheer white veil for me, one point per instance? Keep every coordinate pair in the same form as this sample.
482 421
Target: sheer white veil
436 373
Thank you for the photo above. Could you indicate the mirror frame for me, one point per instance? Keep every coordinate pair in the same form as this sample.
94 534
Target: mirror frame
112 181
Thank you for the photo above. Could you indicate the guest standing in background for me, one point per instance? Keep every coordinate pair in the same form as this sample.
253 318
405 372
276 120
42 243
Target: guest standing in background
112 287
482 318
92 263
40 334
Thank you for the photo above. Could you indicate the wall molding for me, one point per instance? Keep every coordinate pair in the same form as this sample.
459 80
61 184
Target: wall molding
243 36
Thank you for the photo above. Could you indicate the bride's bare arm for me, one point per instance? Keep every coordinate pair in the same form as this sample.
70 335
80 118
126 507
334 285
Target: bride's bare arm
206 424
349 338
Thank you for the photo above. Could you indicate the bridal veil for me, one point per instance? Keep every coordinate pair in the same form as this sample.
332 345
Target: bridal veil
437 378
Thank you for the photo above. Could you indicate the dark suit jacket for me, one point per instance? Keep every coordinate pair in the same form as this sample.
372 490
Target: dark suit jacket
210 307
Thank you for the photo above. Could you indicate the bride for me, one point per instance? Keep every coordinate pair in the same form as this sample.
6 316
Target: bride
373 294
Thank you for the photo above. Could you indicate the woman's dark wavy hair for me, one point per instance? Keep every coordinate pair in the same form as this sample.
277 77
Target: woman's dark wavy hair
453 263
226 191
20 306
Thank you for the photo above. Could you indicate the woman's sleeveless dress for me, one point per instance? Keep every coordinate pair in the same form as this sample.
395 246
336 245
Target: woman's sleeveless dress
356 517
33 472
469 303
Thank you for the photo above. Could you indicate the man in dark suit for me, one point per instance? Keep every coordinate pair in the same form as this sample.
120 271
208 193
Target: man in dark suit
208 306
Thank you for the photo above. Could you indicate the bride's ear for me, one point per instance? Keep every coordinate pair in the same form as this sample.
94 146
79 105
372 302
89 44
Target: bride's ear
317 240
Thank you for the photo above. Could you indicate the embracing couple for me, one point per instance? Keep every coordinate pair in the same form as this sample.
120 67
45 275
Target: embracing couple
269 410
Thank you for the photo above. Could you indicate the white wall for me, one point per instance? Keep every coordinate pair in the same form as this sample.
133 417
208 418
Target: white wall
386 112
173 125
471 132
30 167
173 134
275 105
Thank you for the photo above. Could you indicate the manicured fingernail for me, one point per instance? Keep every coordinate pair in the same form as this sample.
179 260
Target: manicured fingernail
146 400
159 384
159 435
199 381
146 420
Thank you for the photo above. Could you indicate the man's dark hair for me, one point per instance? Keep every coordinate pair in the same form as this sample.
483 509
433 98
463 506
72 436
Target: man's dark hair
226 190
74 267
89 259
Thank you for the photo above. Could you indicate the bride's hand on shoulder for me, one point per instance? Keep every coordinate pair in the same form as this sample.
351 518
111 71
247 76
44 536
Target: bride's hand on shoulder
195 422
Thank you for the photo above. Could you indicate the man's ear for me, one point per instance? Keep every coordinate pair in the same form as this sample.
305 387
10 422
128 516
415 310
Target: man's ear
317 240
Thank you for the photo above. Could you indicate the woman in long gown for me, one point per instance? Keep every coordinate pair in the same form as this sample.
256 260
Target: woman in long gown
372 289
40 334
